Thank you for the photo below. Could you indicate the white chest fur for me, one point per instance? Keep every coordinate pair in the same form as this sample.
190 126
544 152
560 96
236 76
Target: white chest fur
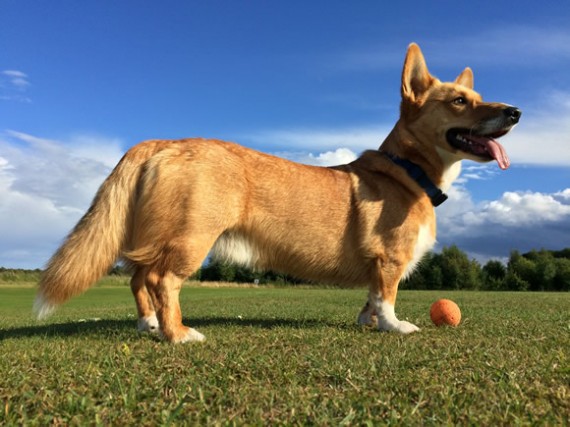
425 242
451 168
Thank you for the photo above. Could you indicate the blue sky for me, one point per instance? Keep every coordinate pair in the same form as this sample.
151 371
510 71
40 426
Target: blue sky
313 81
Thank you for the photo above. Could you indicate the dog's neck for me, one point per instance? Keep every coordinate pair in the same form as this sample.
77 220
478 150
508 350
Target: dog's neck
440 166
415 172
451 168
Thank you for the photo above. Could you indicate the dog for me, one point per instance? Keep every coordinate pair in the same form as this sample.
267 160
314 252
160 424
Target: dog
168 204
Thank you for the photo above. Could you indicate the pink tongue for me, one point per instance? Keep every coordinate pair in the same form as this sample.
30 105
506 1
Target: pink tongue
496 151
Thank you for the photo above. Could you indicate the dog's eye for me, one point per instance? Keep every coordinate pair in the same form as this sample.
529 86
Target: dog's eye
460 100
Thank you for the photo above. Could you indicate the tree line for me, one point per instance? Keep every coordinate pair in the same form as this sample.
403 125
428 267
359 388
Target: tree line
450 269
541 270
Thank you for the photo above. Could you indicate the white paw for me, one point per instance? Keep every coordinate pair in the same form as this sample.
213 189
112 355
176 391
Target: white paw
406 327
193 336
387 320
148 324
400 326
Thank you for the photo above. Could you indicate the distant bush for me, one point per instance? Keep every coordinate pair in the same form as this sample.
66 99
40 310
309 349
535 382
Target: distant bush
224 272
13 275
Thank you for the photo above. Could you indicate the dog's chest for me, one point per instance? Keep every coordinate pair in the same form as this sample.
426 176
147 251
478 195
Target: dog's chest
424 243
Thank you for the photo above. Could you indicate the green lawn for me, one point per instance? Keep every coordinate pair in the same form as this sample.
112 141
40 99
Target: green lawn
286 356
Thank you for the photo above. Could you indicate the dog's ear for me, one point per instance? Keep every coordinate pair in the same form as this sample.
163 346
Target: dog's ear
465 78
416 78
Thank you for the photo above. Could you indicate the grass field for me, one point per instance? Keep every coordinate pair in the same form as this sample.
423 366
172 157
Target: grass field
286 356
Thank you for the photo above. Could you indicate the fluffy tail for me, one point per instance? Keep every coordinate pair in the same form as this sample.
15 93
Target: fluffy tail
98 238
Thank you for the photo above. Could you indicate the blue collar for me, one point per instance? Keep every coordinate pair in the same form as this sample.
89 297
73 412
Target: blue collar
415 172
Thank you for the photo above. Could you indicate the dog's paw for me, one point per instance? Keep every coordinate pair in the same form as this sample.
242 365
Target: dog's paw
192 336
148 324
406 327
183 334
367 319
368 316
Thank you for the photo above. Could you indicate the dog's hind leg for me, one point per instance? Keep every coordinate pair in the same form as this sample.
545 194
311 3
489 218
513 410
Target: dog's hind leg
163 278
164 290
147 320
382 299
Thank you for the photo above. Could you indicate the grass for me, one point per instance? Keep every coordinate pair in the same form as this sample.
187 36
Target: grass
286 356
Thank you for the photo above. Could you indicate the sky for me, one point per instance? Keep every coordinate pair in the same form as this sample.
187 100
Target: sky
313 81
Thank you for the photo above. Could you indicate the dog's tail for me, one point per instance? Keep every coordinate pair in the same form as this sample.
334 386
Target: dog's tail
99 237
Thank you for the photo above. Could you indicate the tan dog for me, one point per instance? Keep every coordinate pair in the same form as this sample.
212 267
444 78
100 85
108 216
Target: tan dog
167 204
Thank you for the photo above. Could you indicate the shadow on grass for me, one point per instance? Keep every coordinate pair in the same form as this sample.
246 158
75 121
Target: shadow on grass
88 327
91 327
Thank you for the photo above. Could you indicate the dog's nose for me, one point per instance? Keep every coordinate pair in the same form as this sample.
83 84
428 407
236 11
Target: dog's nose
513 113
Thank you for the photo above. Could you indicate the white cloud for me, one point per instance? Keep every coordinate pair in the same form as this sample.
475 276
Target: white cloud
45 187
477 172
523 209
17 79
563 196
14 85
521 220
295 140
325 147
330 158
339 156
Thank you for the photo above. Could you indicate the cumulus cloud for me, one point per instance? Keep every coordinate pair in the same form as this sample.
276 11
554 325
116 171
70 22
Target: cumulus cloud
521 220
523 209
45 187
339 156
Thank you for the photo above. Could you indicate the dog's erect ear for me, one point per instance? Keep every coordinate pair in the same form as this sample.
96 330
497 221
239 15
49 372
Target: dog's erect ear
416 78
465 78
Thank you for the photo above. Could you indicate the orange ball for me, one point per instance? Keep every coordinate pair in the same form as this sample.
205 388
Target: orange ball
445 312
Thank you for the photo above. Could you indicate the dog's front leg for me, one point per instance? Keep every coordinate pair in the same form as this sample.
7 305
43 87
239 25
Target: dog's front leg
379 309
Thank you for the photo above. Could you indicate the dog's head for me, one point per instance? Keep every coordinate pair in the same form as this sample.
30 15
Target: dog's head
452 116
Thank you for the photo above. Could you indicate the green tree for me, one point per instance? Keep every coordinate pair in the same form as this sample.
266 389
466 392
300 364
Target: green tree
494 273
520 272
544 272
459 272
513 282
218 272
561 281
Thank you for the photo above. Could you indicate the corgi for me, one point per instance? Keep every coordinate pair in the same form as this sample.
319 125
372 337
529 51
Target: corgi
168 204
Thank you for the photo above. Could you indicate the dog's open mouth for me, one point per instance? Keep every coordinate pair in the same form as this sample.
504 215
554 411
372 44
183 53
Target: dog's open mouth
484 146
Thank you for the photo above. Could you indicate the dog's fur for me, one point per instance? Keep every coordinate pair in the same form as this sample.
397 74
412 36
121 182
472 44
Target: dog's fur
167 204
